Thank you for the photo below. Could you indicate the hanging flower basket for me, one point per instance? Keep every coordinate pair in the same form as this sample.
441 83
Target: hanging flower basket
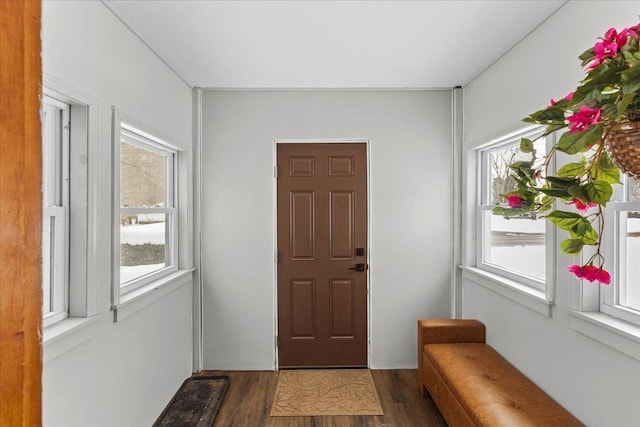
623 144
601 124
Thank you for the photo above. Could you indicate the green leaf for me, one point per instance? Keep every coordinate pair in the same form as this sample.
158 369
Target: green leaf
571 170
581 228
626 100
526 145
554 127
565 220
556 192
572 143
547 115
571 246
607 171
561 182
587 56
520 165
587 234
598 191
630 80
577 192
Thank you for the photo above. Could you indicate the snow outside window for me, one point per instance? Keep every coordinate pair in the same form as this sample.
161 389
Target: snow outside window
147 218
516 247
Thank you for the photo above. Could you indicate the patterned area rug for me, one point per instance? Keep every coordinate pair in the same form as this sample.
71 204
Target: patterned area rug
196 403
325 392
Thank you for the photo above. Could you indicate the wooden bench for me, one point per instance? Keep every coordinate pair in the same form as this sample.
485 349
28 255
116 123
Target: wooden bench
473 385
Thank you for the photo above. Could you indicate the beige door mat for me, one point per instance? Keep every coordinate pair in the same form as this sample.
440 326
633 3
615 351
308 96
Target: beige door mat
325 392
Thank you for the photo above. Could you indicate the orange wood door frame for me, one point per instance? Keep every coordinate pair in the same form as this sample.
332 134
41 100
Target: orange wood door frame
20 214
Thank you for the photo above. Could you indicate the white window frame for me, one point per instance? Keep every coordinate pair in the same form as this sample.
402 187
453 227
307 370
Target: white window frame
55 224
83 268
514 289
138 135
483 206
595 311
615 254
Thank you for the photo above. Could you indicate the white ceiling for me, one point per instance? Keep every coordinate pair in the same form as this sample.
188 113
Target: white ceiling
331 44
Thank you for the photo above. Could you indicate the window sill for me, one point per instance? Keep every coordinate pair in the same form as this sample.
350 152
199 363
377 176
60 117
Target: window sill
142 297
66 334
616 333
524 295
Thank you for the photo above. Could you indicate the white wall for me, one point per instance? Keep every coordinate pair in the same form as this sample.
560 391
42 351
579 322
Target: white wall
596 383
410 133
127 372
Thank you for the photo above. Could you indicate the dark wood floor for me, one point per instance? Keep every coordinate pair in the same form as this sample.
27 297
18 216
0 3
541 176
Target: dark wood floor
248 403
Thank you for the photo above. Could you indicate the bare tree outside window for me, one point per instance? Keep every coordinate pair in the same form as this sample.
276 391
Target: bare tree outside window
501 180
143 182
143 234
511 243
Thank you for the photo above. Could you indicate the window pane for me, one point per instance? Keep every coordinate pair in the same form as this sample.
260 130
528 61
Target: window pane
143 177
631 269
143 243
516 244
501 181
634 190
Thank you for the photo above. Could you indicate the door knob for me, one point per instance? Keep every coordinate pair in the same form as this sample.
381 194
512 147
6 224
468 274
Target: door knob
357 267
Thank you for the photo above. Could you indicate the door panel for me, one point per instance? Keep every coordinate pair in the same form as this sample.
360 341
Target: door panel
341 224
322 219
303 303
301 236
342 306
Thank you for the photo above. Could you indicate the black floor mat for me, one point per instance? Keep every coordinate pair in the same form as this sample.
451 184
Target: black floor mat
196 403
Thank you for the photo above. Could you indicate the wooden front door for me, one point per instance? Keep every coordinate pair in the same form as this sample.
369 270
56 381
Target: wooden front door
322 253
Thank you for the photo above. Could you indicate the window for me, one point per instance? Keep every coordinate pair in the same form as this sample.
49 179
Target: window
55 196
622 298
146 229
515 248
70 273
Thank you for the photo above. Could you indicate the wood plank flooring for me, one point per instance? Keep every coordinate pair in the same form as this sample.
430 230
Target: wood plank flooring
248 403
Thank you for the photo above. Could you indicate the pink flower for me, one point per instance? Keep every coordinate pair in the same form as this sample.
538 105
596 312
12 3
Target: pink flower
590 273
595 63
593 273
620 39
609 46
514 201
577 270
585 117
582 207
567 97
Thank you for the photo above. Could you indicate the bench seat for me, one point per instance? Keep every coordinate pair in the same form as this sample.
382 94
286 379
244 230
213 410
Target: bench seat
473 385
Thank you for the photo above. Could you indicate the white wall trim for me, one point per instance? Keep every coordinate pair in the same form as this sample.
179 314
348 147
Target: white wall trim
367 143
329 89
198 274
522 294
616 333
63 336
139 298
457 99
